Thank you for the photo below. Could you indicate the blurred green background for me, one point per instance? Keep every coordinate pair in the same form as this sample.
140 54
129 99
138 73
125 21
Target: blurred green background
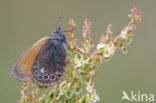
22 22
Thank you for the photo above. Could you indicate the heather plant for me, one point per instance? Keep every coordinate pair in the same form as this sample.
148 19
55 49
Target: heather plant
81 65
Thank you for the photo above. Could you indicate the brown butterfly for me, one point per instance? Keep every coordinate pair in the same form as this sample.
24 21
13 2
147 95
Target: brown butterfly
44 62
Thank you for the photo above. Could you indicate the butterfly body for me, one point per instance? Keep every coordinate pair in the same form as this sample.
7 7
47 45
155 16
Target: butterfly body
44 62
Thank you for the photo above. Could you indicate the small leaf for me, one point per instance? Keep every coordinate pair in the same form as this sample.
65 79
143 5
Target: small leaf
57 94
100 45
121 43
129 40
69 93
78 89
106 53
124 50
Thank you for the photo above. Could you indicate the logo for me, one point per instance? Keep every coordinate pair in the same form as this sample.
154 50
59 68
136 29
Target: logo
137 96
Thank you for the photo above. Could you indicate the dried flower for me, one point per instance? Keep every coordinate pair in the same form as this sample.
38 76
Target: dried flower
89 88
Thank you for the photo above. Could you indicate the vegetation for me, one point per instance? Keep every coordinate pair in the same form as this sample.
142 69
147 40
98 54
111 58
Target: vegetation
78 86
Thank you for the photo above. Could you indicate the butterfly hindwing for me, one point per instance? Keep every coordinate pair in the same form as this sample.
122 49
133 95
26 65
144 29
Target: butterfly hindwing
49 65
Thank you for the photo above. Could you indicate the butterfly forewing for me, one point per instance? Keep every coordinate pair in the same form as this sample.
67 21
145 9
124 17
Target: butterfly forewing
44 62
22 67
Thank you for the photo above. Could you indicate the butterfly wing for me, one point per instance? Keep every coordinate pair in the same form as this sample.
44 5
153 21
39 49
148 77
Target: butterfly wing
49 65
22 67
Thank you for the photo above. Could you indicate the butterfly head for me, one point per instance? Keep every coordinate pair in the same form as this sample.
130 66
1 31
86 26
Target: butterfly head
58 36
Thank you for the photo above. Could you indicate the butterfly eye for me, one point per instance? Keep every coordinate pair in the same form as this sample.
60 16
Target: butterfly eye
46 77
59 75
55 47
20 71
40 77
36 73
52 77
36 64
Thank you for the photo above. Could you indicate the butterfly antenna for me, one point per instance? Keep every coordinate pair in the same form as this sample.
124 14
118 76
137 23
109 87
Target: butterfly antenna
58 20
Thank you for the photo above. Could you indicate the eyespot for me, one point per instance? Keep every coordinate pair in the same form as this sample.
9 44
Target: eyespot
52 77
46 76
59 75
36 64
40 77
36 73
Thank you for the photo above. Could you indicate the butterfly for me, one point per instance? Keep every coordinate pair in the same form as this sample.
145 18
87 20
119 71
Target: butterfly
44 62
